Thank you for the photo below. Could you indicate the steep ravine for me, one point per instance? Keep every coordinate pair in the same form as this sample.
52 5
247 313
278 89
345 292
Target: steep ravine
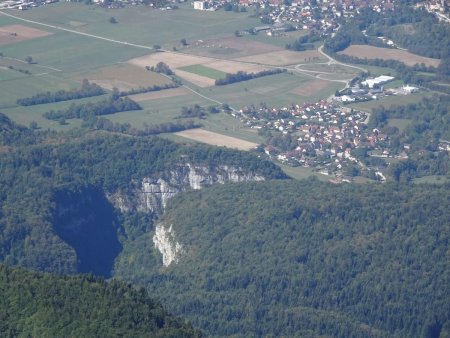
89 220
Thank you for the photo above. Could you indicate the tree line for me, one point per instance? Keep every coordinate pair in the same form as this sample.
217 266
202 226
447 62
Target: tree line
101 123
87 110
244 76
87 90
148 89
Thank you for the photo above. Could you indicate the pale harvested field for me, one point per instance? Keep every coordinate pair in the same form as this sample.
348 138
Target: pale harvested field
310 88
215 139
77 23
234 67
16 33
371 52
198 80
161 94
123 76
282 57
173 60
111 84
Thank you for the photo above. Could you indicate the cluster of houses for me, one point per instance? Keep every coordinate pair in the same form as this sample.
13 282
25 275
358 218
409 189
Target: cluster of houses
23 5
441 8
325 134
321 15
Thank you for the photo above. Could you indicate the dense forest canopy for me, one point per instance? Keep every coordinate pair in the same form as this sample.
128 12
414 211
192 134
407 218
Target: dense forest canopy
42 305
428 126
305 258
76 173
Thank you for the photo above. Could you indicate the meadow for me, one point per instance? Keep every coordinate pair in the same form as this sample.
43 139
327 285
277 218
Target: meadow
390 101
205 71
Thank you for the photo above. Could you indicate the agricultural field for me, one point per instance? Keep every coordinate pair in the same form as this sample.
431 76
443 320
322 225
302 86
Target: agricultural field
284 58
144 25
11 34
216 139
161 94
123 76
371 52
77 42
204 71
230 47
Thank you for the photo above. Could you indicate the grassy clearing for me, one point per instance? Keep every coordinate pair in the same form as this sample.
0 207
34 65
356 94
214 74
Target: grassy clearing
227 125
435 179
401 124
10 74
390 101
301 173
204 71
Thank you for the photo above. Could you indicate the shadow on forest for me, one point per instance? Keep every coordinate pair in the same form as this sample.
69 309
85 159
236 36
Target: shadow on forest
87 221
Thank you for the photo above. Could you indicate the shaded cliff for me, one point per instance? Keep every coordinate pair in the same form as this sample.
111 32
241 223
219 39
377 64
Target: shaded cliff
71 207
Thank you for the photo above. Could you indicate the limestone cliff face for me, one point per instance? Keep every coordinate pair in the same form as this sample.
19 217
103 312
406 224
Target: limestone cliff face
152 194
165 242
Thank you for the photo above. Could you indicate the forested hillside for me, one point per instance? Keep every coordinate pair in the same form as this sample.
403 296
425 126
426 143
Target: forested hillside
55 214
287 258
41 305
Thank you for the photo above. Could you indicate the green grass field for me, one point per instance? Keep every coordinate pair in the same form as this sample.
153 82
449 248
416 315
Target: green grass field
432 180
401 124
25 115
274 90
390 101
10 74
301 173
143 24
204 71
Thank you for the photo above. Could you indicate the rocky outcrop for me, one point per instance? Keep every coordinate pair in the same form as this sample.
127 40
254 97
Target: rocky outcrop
164 240
152 194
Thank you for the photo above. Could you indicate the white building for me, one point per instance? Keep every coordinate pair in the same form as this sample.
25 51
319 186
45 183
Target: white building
377 81
200 5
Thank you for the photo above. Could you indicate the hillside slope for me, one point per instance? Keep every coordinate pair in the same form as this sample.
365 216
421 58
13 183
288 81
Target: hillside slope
42 305
304 259
72 202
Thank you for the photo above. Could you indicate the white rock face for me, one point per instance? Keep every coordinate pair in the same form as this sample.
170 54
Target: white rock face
152 194
164 240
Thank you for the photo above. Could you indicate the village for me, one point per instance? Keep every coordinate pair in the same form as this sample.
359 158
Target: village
321 135
281 15
325 134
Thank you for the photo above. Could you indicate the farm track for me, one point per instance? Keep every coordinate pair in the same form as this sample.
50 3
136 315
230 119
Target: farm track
296 68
